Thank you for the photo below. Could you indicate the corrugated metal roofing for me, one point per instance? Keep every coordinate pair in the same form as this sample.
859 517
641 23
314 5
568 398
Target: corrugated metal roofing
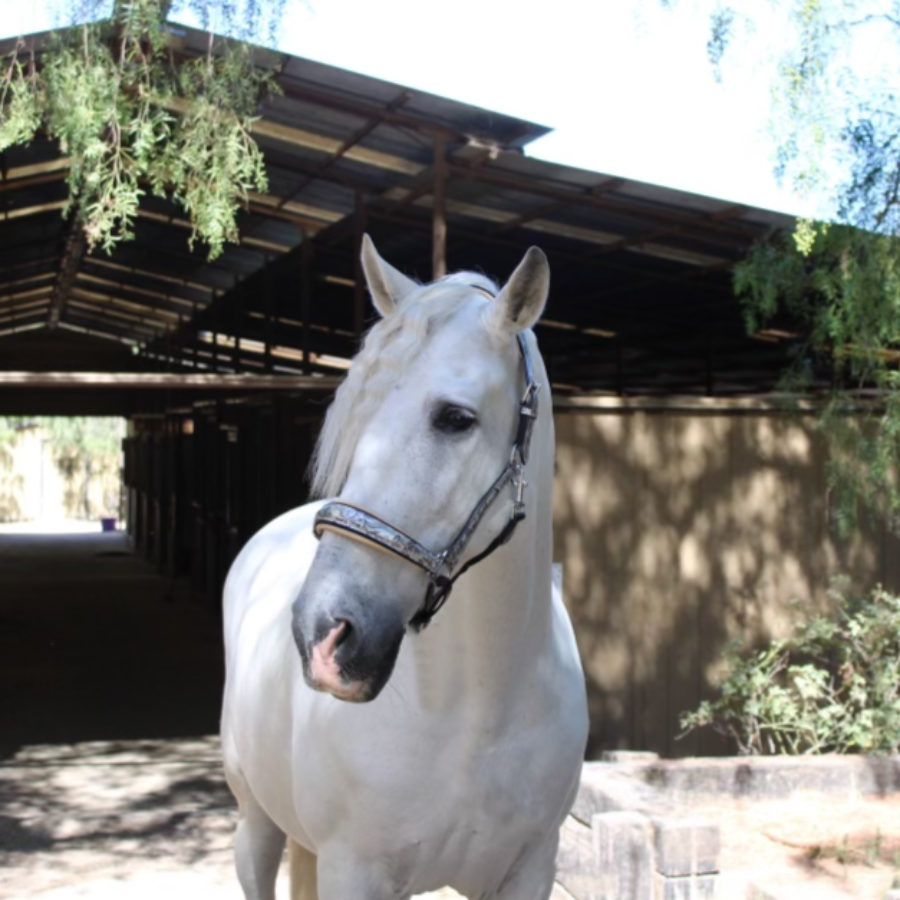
641 303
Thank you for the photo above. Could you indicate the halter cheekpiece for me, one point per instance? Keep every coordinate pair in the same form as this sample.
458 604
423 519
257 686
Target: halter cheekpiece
365 527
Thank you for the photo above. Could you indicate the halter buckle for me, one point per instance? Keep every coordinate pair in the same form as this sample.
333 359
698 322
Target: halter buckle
519 484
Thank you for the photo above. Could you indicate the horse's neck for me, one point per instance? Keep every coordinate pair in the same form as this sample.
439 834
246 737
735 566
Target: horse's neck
496 624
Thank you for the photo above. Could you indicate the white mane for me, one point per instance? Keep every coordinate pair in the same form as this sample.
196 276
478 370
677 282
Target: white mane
390 347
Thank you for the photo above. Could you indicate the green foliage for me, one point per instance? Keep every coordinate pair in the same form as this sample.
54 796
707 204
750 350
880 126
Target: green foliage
70 435
244 20
82 436
835 123
85 450
839 287
722 25
8 431
833 686
215 162
132 117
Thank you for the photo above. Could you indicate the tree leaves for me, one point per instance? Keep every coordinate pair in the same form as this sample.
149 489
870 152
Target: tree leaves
840 288
132 117
837 137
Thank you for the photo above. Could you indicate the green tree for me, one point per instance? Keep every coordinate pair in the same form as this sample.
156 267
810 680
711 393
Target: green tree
83 445
83 448
132 116
835 124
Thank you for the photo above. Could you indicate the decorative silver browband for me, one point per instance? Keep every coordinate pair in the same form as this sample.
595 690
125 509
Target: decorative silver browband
364 526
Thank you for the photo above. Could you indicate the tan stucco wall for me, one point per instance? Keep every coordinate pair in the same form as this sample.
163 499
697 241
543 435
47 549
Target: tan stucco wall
678 532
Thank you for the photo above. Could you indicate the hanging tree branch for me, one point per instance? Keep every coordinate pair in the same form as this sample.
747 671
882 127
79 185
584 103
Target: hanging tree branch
836 132
132 119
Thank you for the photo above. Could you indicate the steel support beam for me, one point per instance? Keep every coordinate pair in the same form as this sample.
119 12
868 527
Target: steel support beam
306 263
359 280
439 212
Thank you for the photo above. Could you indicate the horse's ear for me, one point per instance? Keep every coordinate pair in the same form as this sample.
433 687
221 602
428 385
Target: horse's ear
520 304
388 286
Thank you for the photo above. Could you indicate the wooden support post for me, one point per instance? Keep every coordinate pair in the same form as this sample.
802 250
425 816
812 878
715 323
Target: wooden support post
306 261
710 367
215 331
196 333
180 342
267 301
439 212
359 281
620 368
236 326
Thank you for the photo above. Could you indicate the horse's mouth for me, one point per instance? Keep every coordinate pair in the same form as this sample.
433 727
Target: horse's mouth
323 670
341 688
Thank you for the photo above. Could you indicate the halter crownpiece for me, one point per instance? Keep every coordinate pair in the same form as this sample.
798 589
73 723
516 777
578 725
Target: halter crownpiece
367 528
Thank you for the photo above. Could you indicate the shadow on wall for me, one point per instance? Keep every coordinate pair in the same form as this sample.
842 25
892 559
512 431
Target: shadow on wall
678 533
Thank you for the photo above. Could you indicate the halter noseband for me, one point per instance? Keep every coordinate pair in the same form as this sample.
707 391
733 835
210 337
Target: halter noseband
365 527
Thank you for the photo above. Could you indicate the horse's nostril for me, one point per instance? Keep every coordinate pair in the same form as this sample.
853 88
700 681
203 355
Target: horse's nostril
346 629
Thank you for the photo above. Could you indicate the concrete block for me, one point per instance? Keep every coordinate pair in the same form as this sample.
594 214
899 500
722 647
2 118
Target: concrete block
769 778
880 776
560 893
623 843
686 846
629 756
691 887
604 788
576 859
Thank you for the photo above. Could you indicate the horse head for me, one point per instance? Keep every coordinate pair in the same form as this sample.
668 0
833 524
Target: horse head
429 416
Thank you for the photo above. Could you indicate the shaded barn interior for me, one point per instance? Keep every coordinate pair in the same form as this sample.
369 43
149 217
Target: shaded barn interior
223 368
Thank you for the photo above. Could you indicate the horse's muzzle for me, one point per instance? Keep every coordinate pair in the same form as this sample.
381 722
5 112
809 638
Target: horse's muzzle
348 657
324 671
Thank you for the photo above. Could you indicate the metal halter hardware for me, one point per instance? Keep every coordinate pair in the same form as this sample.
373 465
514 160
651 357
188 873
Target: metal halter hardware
365 527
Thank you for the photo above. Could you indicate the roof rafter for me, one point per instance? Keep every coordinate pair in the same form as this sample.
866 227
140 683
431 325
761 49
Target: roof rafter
76 243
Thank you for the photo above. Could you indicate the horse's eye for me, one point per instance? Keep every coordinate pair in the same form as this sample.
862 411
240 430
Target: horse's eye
453 419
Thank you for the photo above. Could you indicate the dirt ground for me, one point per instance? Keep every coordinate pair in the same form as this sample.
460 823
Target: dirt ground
110 775
95 820
811 846
108 819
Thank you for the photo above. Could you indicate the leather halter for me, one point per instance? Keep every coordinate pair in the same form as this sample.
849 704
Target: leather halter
363 526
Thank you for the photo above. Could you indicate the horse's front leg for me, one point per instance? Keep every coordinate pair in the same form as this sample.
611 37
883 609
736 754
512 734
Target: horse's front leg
532 878
258 848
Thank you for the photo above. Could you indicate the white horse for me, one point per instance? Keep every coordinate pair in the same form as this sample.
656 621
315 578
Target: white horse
460 772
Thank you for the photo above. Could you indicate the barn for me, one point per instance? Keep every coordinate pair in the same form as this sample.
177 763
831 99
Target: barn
690 506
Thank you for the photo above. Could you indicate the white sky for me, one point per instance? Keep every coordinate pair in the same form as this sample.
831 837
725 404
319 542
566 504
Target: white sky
625 85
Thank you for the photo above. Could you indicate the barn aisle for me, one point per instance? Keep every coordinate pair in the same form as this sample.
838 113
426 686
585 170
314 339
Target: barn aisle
90 649
110 769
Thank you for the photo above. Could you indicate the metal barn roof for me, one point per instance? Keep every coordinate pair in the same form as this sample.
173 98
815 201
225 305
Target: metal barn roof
641 300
